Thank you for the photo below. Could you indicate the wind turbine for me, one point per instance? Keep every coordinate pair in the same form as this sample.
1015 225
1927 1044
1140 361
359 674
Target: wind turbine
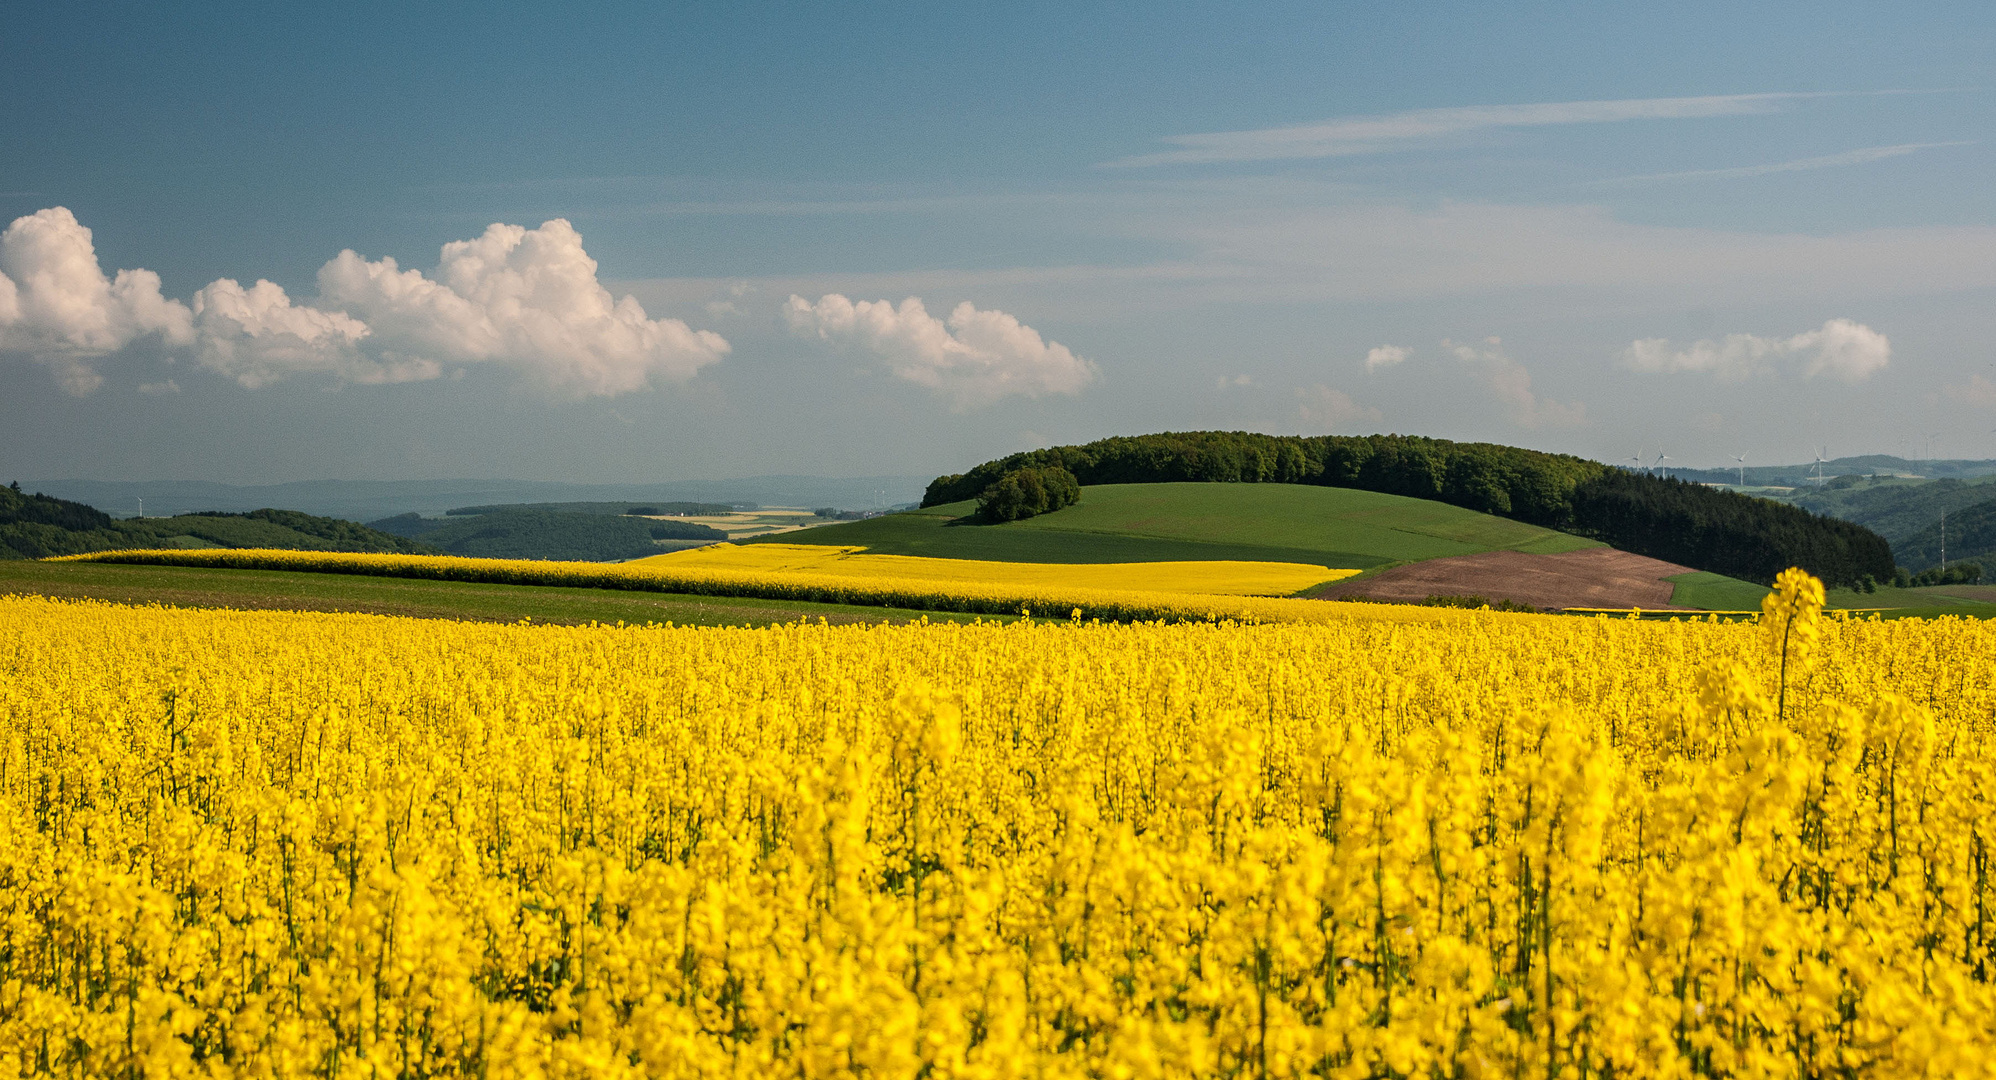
1741 458
1662 457
1638 459
142 508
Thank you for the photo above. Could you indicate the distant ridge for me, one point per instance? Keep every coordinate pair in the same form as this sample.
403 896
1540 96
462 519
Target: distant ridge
369 500
1864 464
36 526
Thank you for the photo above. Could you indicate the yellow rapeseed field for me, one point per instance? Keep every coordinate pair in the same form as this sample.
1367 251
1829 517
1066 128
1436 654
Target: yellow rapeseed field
1473 844
1007 595
1218 578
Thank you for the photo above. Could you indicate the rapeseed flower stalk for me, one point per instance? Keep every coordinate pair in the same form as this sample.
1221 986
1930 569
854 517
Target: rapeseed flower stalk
277 844
1792 615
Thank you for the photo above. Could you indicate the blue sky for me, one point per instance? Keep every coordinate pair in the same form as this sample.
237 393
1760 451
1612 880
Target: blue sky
1593 228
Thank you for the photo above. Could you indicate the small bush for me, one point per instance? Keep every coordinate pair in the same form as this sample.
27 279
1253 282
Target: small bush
1963 573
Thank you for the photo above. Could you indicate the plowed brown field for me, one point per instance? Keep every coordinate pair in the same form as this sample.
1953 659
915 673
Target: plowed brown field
1595 577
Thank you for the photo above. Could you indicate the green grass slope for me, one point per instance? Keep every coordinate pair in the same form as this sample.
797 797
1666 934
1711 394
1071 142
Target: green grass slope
1714 592
1338 527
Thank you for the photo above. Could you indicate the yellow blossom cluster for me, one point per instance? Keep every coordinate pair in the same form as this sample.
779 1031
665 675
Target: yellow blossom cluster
274 844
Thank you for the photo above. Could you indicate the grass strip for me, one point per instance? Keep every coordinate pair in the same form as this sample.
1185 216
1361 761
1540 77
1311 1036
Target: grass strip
290 590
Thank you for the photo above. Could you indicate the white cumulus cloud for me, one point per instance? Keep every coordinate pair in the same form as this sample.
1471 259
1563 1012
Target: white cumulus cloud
974 357
1511 385
1385 356
58 307
1840 349
523 299
258 336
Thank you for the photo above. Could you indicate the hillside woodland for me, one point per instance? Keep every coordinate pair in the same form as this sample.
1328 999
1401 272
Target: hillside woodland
37 526
1707 528
1971 535
1895 509
522 533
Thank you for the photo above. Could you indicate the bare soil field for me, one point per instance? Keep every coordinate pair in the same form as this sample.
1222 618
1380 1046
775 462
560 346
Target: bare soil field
1594 577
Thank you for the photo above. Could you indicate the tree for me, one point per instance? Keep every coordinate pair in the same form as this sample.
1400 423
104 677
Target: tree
1026 492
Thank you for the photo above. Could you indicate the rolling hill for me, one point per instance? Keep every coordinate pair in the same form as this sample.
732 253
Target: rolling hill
1670 520
1187 522
1337 527
37 526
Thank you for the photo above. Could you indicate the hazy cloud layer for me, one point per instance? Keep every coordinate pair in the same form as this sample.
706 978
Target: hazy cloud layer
1253 241
1841 349
1295 243
58 307
1511 385
974 358
1979 391
1377 134
524 299
1329 409
1863 156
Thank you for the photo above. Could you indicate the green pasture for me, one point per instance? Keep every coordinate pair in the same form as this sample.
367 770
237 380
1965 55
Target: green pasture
1337 527
1714 592
201 587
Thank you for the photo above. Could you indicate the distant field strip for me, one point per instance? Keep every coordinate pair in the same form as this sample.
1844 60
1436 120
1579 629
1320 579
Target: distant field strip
1206 578
914 594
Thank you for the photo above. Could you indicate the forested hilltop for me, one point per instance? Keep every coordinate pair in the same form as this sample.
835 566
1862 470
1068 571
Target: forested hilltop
37 526
1692 524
